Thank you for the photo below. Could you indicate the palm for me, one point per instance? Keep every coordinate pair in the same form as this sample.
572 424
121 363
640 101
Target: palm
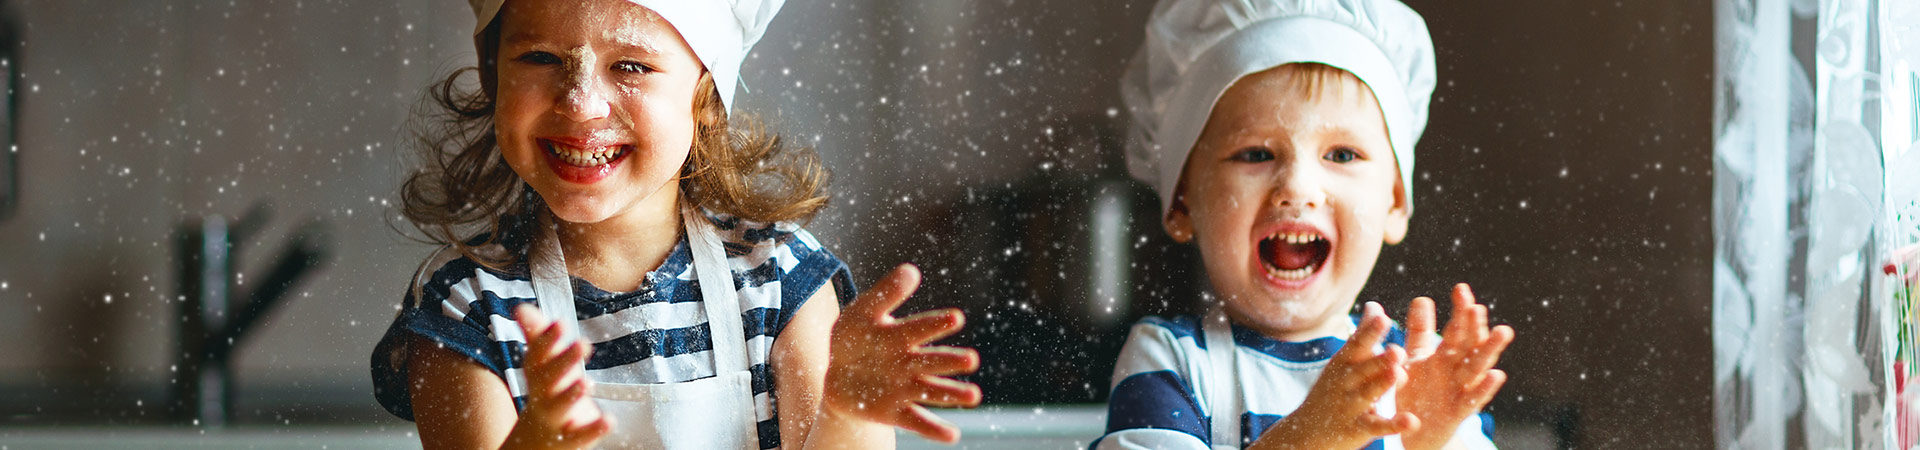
1450 376
881 369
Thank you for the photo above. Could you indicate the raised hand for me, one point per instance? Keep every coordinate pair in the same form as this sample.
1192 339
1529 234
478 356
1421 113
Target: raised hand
1339 411
1450 376
881 369
559 413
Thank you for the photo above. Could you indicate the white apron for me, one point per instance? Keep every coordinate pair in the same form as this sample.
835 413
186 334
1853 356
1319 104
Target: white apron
1224 397
710 413
1225 393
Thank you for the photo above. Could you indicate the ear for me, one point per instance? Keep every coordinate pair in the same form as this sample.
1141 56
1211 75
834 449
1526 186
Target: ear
1397 217
1178 222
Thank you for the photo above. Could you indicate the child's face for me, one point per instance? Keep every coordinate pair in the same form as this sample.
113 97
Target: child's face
1290 197
595 104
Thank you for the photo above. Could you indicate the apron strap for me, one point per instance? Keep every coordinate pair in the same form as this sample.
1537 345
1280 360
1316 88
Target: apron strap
1223 387
551 287
716 289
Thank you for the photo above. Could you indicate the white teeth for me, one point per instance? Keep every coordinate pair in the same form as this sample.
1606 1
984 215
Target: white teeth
1292 275
1298 238
584 158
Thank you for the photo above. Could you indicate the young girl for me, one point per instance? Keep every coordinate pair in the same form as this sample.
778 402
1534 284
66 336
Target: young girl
623 268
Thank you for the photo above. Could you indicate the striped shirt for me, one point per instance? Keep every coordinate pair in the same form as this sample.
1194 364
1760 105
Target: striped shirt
1154 406
657 334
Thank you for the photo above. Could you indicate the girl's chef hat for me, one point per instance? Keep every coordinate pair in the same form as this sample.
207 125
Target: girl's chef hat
719 31
1195 49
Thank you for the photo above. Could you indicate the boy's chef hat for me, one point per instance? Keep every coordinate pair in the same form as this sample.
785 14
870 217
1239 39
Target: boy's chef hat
1195 49
719 31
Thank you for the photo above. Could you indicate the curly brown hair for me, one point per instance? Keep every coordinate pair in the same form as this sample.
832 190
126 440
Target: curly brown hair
465 195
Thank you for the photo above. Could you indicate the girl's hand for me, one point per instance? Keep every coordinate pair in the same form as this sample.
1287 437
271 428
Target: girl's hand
881 370
1339 410
559 413
1450 378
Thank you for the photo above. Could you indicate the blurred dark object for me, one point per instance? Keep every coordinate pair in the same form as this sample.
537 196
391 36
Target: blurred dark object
10 47
1061 265
211 324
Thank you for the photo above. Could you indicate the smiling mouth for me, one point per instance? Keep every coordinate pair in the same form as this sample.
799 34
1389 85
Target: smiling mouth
1294 256
585 157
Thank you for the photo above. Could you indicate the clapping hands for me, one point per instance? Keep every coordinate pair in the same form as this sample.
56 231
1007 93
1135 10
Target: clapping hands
1450 375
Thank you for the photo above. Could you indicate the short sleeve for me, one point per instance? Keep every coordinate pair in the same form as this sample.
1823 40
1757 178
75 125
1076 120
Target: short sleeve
812 268
447 307
1153 405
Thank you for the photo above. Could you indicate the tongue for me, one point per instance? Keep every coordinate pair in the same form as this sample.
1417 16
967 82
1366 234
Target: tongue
1285 256
1294 256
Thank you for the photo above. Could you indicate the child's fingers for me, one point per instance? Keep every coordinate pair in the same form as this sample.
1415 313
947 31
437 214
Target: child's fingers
543 335
947 392
577 391
1477 329
582 435
943 360
1373 329
932 326
1489 352
552 406
1373 425
1464 323
557 372
924 423
878 303
1386 372
560 358
532 321
1479 394
1421 339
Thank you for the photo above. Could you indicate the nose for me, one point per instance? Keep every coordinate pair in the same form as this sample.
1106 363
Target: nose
583 100
1298 186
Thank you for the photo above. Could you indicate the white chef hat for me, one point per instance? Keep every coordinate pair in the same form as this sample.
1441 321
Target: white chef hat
1196 49
719 31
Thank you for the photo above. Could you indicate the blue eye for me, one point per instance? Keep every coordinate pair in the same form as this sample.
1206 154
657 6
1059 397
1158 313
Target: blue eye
1253 155
1342 155
538 58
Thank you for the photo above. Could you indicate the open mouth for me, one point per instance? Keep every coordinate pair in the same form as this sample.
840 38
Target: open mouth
585 157
1294 256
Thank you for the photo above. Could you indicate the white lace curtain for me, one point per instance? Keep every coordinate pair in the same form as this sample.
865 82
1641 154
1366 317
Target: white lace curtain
1814 184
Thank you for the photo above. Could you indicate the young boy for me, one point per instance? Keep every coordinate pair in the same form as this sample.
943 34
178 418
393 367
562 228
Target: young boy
1280 134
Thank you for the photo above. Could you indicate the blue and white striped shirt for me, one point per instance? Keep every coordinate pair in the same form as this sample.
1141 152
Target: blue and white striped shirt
657 334
1154 404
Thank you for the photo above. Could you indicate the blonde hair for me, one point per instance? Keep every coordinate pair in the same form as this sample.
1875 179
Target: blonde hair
1315 80
464 190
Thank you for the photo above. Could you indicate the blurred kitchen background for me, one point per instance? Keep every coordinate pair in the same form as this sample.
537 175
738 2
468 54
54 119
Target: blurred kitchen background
1566 174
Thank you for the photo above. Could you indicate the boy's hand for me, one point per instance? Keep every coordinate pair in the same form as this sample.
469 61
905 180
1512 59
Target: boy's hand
881 370
1450 377
559 413
1339 410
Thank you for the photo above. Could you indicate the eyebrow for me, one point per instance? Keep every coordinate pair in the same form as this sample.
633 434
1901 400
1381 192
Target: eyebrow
518 37
642 46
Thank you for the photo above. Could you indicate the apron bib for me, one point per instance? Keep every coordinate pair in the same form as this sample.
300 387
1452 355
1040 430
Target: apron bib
709 413
1225 395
